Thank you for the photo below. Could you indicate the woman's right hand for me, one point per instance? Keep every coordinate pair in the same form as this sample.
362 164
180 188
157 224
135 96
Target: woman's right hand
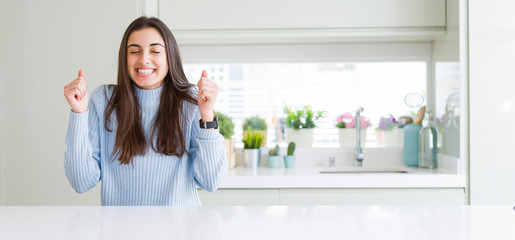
76 93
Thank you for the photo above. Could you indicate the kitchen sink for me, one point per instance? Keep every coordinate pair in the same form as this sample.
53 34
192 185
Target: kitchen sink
365 170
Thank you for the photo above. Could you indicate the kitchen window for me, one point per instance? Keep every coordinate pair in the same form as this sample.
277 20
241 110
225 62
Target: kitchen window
337 87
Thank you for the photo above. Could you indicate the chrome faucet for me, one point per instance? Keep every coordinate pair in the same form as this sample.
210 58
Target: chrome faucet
358 151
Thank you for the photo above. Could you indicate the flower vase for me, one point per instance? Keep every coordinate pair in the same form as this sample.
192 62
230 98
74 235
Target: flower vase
301 137
347 137
394 137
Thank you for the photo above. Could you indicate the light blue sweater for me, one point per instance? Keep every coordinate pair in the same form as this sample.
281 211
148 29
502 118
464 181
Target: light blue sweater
155 179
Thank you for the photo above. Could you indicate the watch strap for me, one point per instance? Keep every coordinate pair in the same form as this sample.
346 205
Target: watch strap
208 125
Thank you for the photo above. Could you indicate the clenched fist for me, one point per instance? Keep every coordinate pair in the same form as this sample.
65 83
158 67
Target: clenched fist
76 93
207 93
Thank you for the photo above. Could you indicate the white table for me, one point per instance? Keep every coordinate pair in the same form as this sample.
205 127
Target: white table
266 222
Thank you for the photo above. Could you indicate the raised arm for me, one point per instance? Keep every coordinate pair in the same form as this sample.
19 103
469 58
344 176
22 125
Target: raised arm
82 155
206 150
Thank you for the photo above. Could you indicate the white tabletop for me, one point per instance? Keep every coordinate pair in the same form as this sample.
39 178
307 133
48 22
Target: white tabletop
263 222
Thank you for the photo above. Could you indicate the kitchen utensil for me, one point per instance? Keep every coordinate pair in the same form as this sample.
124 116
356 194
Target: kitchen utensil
420 115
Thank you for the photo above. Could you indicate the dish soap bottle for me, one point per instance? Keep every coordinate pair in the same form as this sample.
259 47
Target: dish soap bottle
428 145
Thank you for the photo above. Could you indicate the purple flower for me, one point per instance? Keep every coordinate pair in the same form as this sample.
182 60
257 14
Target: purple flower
387 123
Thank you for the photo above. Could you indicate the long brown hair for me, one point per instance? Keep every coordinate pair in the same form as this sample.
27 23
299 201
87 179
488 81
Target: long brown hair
130 137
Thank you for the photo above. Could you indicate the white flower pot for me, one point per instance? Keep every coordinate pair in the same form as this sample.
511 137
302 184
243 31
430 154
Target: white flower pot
301 137
394 138
347 137
252 157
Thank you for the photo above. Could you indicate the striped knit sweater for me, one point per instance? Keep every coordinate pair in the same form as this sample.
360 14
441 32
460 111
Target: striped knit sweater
155 179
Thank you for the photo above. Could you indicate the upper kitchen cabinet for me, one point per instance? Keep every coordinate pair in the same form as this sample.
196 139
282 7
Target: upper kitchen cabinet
290 21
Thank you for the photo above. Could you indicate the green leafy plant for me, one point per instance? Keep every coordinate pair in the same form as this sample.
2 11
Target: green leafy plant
226 125
252 139
302 118
254 122
291 148
274 151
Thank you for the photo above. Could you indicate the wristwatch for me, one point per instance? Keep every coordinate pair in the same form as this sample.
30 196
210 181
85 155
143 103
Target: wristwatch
212 124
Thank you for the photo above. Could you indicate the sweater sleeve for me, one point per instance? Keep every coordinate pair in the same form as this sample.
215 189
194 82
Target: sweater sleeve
82 155
208 155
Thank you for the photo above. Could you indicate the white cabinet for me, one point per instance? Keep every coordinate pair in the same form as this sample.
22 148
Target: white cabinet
372 196
394 196
272 14
206 21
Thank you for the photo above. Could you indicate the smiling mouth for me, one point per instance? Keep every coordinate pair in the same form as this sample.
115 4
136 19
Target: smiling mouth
145 71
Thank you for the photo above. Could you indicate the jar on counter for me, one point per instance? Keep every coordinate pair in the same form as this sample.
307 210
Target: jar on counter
428 145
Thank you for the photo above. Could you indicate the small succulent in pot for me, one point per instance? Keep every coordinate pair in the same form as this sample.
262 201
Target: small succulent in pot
274 160
291 148
274 151
289 160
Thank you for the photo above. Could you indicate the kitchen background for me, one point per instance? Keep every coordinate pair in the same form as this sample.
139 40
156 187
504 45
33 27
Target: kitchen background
334 55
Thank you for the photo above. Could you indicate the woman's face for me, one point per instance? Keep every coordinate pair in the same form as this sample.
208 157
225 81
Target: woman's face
146 58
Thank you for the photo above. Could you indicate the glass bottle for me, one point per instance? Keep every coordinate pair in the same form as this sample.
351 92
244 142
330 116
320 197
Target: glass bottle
451 135
428 145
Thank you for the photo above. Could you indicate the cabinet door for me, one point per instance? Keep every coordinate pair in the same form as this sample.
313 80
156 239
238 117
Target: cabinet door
240 197
451 196
300 14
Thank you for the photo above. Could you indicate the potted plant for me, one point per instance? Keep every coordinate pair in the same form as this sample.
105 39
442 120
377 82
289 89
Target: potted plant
289 160
300 124
274 160
252 148
393 133
226 126
346 124
256 123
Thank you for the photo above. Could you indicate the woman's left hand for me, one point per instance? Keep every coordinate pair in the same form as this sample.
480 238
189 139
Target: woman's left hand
207 93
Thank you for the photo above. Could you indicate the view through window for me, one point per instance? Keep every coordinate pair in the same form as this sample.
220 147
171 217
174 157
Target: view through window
264 89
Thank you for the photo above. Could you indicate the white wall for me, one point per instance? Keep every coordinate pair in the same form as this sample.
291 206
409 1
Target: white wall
492 99
44 43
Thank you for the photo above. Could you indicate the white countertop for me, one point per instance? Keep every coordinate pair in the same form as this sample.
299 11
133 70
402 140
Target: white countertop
263 222
264 177
310 160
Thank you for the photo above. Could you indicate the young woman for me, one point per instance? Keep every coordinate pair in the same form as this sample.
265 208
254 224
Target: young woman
153 137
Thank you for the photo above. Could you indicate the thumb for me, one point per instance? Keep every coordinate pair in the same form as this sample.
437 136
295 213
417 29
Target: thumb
204 73
81 73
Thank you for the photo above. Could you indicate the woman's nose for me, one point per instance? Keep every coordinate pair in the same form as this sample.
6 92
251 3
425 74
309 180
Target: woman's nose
145 58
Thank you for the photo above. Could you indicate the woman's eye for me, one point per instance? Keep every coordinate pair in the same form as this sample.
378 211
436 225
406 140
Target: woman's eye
156 52
134 52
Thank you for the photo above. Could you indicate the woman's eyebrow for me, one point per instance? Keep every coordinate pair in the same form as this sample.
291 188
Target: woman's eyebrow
157 44
152 44
134 45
